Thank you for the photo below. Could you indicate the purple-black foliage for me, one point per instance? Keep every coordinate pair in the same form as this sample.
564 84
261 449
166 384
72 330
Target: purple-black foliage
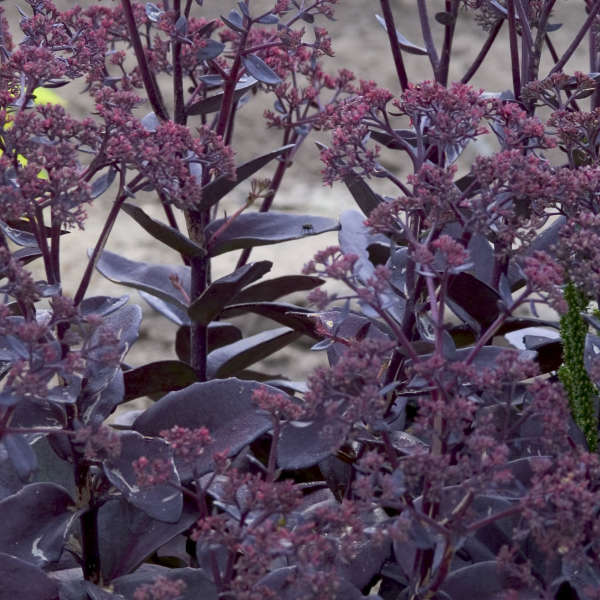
430 459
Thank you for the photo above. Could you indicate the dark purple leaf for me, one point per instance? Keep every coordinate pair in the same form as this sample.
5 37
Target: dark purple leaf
305 443
181 26
481 580
244 9
25 581
26 255
164 233
166 309
368 559
97 379
475 297
272 289
103 182
504 290
153 12
402 41
269 19
260 70
197 584
211 81
162 501
445 18
150 122
363 195
391 141
34 523
224 406
285 314
128 535
20 454
157 378
228 361
338 475
221 291
213 103
124 323
217 189
10 483
19 236
102 305
219 334
347 326
29 413
549 237
153 279
210 50
259 229
234 21
51 467
354 239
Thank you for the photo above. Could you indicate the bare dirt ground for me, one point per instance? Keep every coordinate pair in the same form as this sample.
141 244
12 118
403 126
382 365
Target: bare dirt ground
360 45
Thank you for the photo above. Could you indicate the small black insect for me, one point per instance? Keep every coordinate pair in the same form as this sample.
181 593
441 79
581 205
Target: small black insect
307 228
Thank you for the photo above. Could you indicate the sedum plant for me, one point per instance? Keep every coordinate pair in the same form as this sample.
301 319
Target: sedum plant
432 459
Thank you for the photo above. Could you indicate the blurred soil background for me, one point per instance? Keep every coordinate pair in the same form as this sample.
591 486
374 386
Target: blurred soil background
360 44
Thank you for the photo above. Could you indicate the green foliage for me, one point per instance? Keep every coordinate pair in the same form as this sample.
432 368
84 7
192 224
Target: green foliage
572 373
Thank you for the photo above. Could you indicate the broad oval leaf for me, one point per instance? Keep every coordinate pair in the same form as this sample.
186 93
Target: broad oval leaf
217 189
304 444
272 289
151 278
213 103
354 238
153 12
269 19
19 236
174 313
230 360
20 454
285 314
128 535
221 291
262 228
23 580
220 334
164 233
211 49
481 580
476 298
402 41
161 501
102 305
363 195
224 406
150 122
124 323
103 182
260 70
235 21
157 378
34 523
